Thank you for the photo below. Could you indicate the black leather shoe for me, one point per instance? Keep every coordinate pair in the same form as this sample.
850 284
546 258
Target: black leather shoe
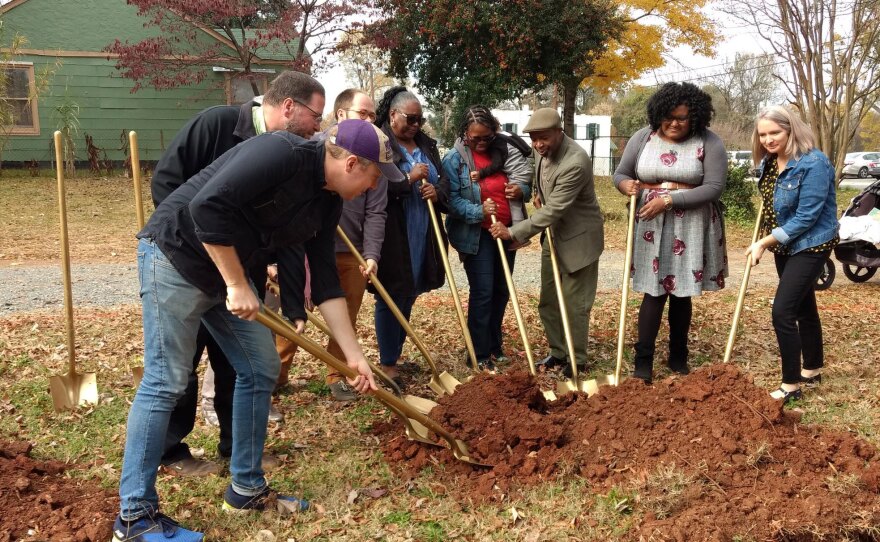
566 370
551 362
811 381
679 368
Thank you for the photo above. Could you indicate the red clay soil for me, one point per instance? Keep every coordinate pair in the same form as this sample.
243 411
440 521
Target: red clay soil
750 466
38 502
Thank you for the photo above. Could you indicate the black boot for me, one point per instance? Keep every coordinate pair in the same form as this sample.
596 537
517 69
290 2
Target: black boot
678 356
644 362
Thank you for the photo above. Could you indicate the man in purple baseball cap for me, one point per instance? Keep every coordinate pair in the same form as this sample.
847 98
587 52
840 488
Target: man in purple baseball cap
271 192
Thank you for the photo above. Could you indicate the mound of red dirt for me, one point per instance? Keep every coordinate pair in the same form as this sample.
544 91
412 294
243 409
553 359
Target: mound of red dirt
38 502
710 455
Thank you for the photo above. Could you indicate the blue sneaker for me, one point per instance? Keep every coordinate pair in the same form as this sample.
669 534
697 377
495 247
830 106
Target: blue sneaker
267 500
156 528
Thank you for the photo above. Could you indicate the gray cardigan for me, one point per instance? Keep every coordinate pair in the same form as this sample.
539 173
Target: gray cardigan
714 169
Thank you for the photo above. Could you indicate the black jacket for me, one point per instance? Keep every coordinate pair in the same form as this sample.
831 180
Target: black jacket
266 194
201 141
395 273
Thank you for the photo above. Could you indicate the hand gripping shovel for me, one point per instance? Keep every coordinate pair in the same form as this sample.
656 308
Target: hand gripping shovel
742 290
137 373
441 383
450 279
549 394
416 423
574 384
419 403
73 389
614 379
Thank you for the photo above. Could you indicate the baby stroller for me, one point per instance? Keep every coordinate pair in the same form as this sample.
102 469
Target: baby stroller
858 250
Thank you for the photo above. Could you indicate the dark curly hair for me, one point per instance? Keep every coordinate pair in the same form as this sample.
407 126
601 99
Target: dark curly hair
672 95
480 114
393 97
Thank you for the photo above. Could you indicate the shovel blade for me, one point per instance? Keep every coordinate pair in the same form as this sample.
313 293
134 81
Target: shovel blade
550 395
72 390
449 382
460 451
421 404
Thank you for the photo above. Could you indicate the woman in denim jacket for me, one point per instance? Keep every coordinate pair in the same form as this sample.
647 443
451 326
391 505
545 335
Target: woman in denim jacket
797 188
487 175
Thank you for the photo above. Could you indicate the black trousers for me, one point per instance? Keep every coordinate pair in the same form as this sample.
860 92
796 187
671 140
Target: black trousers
795 314
183 417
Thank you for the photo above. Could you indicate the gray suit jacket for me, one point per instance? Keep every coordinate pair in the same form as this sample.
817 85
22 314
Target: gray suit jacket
569 207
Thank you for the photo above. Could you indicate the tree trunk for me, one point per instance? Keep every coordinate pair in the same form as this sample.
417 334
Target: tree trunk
570 89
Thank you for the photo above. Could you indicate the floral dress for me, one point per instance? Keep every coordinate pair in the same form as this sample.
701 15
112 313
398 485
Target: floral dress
682 251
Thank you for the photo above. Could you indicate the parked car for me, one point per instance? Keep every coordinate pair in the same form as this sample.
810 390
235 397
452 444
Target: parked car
739 158
861 165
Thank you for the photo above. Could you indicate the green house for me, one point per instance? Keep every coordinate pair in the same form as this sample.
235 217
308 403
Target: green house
66 40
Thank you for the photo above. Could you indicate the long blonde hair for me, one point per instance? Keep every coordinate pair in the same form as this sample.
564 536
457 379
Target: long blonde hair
800 136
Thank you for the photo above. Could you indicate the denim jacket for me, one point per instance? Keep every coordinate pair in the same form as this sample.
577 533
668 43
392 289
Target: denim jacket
805 202
465 206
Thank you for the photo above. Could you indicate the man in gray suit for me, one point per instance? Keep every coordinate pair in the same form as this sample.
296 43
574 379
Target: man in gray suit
565 202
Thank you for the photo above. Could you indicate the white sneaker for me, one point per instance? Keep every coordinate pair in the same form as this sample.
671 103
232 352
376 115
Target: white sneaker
209 414
275 415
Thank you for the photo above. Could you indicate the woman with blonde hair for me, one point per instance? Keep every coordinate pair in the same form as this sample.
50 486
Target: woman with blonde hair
799 227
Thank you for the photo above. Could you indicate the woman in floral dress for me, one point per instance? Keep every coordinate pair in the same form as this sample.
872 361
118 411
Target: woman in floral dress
678 170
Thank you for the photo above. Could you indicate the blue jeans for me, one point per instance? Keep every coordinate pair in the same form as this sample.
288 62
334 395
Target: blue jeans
489 295
172 311
389 333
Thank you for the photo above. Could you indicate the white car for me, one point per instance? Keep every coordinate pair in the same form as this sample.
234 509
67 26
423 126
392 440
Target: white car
739 158
861 165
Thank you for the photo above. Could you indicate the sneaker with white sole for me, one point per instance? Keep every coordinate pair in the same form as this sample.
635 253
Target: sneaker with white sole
155 528
209 414
267 500
341 391
275 415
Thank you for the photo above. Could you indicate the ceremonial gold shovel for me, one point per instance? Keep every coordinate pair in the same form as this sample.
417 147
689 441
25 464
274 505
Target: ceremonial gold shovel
72 389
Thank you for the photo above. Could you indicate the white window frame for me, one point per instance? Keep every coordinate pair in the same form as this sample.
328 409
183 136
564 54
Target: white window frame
31 99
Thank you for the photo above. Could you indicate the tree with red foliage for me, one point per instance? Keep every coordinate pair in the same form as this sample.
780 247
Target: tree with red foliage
195 35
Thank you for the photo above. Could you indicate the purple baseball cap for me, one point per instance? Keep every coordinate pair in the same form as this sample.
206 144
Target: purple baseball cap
364 139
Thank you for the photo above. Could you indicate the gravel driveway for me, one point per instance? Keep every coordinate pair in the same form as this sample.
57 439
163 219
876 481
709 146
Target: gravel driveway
28 288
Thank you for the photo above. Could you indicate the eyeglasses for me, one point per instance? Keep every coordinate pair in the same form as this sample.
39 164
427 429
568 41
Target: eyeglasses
318 116
684 119
481 139
363 114
412 119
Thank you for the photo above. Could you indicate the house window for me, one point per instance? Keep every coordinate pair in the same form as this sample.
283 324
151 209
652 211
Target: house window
18 97
509 127
239 89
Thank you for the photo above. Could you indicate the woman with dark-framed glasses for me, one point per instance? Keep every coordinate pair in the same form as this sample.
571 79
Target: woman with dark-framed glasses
488 176
411 260
677 169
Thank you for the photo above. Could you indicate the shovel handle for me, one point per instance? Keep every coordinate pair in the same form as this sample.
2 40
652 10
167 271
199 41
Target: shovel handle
280 327
383 293
136 178
450 279
566 327
508 277
624 289
325 329
740 300
65 251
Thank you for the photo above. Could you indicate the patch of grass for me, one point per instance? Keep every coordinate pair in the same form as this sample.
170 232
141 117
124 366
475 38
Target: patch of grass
318 387
663 490
760 455
432 531
401 518
613 512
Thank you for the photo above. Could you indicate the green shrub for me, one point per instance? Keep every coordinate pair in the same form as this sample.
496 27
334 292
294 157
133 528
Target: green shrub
738 196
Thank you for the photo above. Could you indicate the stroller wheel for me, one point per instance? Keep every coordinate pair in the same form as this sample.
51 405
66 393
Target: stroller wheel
858 274
826 277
